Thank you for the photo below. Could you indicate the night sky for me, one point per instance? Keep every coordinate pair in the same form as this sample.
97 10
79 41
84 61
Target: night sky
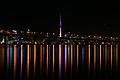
82 17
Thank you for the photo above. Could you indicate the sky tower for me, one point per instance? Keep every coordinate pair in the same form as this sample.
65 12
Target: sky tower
60 25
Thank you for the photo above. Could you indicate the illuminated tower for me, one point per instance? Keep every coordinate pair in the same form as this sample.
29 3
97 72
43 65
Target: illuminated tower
60 25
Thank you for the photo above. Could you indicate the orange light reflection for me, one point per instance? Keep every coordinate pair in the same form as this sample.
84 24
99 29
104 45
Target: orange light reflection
15 60
34 59
41 57
60 62
116 57
28 60
94 57
88 57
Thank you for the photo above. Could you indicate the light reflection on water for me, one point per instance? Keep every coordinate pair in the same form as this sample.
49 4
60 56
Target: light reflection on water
116 57
21 61
88 57
77 57
41 57
100 57
34 60
65 58
94 57
72 59
56 60
15 60
28 55
47 60
8 54
60 61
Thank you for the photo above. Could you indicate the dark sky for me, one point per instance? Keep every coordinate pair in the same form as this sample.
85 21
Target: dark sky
83 17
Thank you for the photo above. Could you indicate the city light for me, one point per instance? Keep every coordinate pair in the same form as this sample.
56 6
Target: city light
33 54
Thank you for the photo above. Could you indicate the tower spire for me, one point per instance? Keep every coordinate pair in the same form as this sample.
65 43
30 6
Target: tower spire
60 21
60 25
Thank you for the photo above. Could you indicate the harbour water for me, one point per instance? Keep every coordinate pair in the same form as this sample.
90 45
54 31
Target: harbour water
59 61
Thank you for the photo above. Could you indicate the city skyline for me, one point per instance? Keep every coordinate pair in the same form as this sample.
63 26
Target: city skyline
75 17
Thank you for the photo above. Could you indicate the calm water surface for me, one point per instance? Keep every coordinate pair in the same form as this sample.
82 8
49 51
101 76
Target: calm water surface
59 62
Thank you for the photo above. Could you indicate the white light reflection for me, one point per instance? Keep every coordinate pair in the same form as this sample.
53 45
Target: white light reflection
100 57
53 57
111 58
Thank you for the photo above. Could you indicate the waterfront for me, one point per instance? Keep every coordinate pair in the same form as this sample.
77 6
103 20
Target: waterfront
59 61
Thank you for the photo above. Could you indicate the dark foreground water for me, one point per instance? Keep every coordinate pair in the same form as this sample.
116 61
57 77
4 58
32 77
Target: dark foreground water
59 62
